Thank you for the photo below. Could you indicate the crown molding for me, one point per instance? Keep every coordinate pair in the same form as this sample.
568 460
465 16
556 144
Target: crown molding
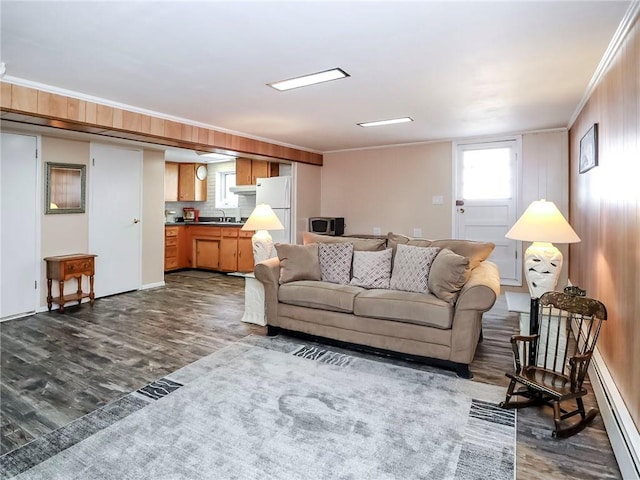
619 36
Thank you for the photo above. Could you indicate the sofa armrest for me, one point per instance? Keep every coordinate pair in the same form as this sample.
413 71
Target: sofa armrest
481 290
268 273
477 296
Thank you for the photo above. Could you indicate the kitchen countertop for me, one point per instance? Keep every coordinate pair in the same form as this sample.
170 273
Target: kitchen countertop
215 224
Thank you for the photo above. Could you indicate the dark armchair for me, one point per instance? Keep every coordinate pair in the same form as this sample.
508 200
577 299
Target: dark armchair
551 365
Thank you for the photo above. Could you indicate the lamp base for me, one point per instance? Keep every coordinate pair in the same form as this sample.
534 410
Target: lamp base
262 246
542 264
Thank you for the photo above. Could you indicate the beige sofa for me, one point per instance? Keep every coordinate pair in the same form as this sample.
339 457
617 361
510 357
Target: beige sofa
441 326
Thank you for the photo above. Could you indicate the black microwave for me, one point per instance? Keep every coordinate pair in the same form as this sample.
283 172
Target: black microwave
327 225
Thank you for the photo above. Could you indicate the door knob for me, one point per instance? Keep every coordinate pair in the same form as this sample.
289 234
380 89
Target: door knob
461 210
459 203
136 220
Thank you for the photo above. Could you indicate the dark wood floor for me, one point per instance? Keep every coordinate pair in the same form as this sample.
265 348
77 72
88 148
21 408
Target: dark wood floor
56 368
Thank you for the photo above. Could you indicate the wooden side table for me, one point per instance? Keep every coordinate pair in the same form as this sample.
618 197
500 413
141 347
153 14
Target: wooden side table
65 267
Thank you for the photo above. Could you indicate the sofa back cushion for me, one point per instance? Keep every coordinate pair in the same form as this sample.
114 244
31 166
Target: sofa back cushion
359 244
298 262
476 252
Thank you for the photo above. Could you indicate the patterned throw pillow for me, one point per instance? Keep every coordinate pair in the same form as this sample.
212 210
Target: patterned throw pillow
411 267
335 262
371 269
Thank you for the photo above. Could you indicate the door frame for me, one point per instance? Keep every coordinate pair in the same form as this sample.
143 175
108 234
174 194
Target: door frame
517 139
38 274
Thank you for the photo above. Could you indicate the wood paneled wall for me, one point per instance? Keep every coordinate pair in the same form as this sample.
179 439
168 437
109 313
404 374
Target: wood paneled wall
605 212
43 108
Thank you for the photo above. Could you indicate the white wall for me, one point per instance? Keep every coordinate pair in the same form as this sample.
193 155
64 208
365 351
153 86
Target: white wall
307 197
152 218
390 188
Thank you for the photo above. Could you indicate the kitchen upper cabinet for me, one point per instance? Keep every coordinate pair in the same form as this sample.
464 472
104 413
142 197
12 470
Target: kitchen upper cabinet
171 173
192 182
248 170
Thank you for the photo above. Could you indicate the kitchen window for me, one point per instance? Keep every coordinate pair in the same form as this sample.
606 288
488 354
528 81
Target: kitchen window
224 182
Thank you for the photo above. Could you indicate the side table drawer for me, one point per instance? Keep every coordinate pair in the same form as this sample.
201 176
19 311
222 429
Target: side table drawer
79 267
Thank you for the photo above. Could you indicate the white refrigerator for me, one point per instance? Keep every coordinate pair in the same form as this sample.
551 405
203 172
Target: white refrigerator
276 192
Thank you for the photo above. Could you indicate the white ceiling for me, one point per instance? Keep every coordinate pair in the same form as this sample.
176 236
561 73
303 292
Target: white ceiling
459 69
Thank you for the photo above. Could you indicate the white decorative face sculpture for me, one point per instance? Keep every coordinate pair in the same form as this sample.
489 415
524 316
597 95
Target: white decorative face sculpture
542 266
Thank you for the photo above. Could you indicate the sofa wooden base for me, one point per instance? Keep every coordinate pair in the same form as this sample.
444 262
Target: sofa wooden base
461 369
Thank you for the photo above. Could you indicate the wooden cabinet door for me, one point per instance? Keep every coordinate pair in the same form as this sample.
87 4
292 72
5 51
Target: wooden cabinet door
243 171
229 249
200 188
207 254
245 251
170 182
187 182
259 169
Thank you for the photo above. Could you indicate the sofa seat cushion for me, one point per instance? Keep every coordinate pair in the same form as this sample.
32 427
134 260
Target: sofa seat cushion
408 307
322 295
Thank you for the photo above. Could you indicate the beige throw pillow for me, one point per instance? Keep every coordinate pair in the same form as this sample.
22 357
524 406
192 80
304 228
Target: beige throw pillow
371 269
335 262
411 267
298 262
449 272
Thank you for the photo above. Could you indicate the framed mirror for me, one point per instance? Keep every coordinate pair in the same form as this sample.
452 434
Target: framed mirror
65 188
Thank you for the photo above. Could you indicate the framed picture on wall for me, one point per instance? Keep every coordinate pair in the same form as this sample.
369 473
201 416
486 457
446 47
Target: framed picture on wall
65 188
589 149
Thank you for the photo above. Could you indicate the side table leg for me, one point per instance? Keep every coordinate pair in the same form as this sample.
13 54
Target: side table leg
79 292
49 296
91 294
61 287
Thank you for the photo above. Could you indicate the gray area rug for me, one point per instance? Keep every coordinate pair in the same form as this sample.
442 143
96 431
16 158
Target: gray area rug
276 409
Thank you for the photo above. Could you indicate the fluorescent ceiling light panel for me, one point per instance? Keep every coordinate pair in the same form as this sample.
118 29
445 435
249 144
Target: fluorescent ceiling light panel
216 156
307 80
386 122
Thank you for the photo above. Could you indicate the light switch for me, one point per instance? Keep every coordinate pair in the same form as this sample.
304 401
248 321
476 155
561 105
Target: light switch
417 232
377 231
437 200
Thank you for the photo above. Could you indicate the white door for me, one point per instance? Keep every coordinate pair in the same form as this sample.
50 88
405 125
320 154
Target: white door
486 200
19 212
115 220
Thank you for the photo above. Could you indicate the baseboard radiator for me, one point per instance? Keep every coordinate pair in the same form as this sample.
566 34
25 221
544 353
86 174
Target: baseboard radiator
622 431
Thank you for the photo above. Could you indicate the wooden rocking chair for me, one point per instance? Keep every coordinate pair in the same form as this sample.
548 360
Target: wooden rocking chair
552 364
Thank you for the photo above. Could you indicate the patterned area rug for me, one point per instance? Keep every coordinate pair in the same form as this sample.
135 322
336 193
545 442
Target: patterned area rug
272 408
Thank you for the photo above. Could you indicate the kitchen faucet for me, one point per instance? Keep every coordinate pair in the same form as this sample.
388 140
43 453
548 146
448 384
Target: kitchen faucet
224 216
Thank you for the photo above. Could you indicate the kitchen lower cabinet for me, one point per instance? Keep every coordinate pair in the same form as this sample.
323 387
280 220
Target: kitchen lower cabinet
207 254
245 251
229 249
210 247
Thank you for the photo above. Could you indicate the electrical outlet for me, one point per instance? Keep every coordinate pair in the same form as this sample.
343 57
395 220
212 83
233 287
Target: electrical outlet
377 231
417 232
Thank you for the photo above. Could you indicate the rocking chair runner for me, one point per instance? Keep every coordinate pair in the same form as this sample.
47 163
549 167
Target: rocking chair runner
541 364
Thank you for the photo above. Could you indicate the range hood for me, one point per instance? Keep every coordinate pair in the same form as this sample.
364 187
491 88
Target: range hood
243 189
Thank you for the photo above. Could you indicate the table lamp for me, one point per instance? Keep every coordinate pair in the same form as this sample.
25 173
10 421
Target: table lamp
262 219
543 224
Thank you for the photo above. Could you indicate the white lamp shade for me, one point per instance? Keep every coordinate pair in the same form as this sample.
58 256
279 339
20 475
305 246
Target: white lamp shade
263 218
543 222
